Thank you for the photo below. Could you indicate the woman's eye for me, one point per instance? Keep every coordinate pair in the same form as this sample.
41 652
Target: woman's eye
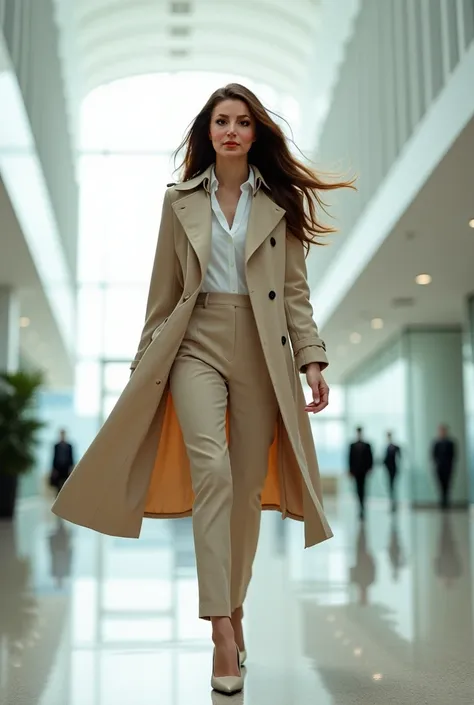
245 123
220 121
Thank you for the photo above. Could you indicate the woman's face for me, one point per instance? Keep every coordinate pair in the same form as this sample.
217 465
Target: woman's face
232 129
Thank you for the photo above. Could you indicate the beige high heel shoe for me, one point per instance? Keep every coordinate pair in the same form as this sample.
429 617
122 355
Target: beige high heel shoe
243 656
228 685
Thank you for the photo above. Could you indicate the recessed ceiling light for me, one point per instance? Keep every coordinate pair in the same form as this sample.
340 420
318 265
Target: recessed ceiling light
471 223
377 677
423 279
355 338
377 323
24 322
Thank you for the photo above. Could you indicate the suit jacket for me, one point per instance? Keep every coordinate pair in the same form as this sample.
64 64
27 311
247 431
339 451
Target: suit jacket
444 453
360 458
392 455
63 457
138 465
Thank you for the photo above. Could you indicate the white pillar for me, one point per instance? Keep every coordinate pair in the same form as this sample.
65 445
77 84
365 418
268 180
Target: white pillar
9 330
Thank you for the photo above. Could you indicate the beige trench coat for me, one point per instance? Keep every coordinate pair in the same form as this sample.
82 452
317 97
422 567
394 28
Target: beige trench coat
137 465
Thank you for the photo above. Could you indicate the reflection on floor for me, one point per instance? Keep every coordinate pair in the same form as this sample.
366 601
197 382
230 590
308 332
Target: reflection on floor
381 614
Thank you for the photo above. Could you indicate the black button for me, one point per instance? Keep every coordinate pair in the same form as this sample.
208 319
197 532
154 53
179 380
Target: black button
273 242
272 295
283 340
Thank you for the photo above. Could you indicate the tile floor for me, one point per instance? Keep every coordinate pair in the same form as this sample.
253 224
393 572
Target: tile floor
375 616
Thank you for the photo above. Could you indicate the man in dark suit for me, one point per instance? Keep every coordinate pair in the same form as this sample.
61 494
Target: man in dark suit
444 455
360 464
391 460
63 462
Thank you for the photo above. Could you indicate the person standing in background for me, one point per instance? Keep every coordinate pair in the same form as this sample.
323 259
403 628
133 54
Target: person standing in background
391 460
360 464
444 454
63 462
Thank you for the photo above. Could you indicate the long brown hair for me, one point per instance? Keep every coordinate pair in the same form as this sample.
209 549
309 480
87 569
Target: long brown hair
294 187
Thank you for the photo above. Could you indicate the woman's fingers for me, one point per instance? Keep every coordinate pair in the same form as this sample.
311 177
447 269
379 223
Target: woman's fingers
320 399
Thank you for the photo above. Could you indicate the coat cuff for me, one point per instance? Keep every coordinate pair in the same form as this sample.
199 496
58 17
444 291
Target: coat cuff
311 353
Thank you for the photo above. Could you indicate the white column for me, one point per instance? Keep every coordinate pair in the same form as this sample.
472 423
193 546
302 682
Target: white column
9 330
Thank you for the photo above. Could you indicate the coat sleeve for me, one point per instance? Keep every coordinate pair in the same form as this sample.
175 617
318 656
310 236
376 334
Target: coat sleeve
307 345
164 291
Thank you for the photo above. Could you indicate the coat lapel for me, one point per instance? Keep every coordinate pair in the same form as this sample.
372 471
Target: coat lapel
264 217
194 214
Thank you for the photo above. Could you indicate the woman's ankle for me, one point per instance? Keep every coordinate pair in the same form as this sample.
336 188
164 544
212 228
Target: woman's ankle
237 616
222 630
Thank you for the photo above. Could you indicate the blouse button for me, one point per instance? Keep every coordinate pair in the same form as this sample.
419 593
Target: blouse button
283 340
273 242
272 295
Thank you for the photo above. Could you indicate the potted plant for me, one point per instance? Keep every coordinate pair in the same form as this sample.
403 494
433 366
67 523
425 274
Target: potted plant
18 433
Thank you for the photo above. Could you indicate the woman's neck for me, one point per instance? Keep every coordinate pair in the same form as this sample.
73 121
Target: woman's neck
231 173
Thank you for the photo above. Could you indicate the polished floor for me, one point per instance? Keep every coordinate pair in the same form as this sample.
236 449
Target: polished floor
379 615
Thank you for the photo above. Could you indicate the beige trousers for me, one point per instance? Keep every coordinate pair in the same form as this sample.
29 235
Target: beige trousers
220 372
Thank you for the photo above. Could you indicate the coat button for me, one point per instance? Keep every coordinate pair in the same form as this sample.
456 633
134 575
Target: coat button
273 242
283 340
272 295
158 381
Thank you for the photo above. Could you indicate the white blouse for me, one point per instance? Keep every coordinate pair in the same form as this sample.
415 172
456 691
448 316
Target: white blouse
226 270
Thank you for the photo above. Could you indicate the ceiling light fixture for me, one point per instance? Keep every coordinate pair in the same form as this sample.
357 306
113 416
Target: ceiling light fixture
423 279
471 223
355 338
377 323
24 322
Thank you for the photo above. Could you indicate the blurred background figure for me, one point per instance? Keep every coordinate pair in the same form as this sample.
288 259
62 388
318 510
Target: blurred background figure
444 455
391 462
360 464
63 462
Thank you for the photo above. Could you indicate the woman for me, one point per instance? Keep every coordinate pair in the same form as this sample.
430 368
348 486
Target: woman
213 421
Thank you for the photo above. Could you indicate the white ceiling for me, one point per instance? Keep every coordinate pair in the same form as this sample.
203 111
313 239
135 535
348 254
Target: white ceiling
271 41
40 342
433 237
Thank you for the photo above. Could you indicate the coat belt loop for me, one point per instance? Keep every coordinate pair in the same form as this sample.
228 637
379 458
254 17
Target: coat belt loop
206 300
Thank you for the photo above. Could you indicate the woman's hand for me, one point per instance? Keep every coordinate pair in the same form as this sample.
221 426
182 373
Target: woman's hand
319 388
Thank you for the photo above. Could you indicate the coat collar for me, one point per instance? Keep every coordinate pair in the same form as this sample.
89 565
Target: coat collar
194 212
205 178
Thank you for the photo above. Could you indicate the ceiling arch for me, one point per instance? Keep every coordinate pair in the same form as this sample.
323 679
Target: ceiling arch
269 41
